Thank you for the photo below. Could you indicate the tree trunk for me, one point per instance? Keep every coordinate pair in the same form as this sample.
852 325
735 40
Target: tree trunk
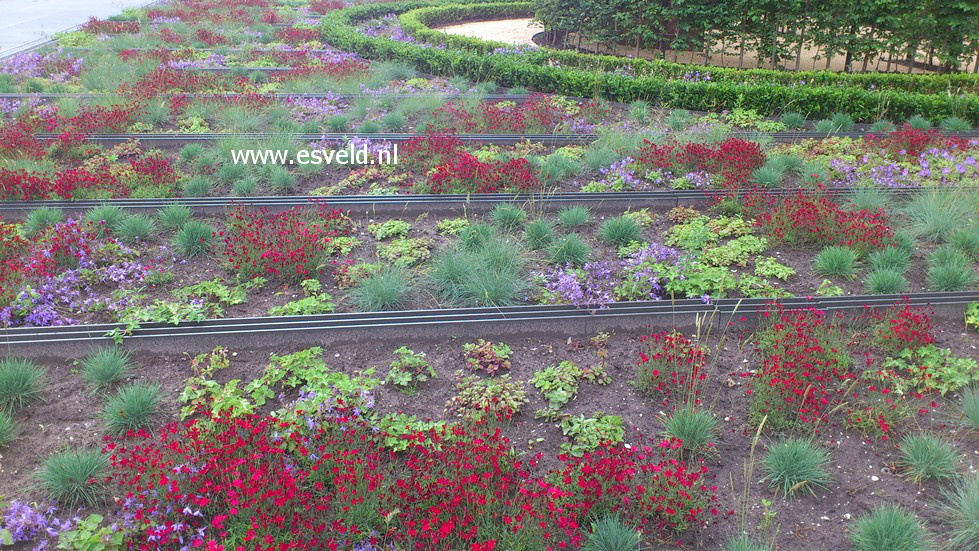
866 57
741 55
798 51
829 58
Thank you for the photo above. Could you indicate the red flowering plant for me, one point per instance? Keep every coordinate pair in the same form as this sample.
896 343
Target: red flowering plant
448 168
909 141
248 482
646 485
670 367
882 401
105 26
323 6
12 250
804 370
733 159
811 217
293 244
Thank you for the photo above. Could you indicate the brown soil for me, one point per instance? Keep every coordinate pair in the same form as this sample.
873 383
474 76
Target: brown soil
863 471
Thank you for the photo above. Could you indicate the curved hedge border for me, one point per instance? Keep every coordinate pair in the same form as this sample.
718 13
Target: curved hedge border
417 23
471 58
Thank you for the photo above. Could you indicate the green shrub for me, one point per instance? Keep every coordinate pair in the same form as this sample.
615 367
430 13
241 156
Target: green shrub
696 428
836 261
619 232
870 198
388 289
768 175
611 534
173 217
558 167
41 219
796 464
245 187
508 217
21 382
393 122
925 457
136 228
230 173
539 234
936 215
104 367
885 281
571 217
889 527
569 250
281 179
194 238
640 111
191 152
337 123
825 126
368 127
131 408
948 255
74 477
959 513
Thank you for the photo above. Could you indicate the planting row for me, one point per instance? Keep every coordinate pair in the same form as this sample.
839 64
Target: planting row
111 266
702 155
762 434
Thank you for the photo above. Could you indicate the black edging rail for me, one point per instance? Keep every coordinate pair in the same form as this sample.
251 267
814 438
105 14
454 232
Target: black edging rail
404 203
420 321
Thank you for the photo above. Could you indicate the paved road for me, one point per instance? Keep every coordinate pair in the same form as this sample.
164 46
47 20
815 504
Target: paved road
25 21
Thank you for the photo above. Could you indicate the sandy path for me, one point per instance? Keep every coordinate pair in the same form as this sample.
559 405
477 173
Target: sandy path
513 31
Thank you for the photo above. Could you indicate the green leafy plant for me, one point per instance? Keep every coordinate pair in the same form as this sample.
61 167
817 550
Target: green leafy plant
890 258
105 367
483 269
389 228
89 534
74 477
584 434
396 426
487 356
451 226
930 368
405 252
131 408
889 527
795 464
105 218
827 289
558 383
769 267
315 302
495 398
744 543
21 382
925 457
972 315
408 369
969 407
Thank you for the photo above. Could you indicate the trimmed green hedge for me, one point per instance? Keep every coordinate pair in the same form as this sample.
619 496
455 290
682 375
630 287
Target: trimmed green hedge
417 23
555 71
